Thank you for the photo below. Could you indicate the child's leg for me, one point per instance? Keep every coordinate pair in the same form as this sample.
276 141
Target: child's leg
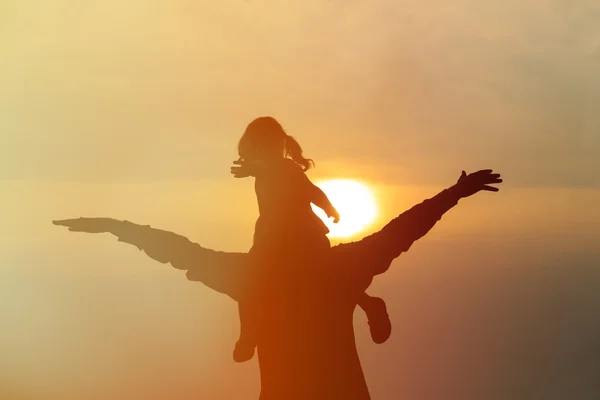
379 321
244 348
246 344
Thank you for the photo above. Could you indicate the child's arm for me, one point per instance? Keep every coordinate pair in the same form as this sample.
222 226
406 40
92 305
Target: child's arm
315 194
244 169
320 199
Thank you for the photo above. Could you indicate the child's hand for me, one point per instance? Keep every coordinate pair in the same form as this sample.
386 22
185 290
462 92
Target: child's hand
333 213
244 170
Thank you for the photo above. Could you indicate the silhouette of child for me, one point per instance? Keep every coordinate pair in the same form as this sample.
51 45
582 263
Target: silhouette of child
286 223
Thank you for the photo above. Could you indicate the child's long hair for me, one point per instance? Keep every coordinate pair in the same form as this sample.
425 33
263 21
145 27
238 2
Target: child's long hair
264 135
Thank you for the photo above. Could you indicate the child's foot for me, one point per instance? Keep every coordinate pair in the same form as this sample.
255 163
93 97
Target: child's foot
379 320
244 351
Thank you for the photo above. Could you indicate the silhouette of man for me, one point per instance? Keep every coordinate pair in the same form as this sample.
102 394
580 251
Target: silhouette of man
306 345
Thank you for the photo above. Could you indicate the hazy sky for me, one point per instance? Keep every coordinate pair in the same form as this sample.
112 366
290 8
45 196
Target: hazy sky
132 109
417 87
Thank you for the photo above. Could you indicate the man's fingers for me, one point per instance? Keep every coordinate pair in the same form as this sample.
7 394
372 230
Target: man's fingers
80 229
65 222
494 180
489 188
482 180
486 176
88 225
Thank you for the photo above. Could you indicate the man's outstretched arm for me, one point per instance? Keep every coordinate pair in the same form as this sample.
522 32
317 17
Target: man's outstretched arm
220 271
377 251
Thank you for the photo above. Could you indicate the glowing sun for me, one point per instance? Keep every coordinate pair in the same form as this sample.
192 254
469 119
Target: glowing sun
355 203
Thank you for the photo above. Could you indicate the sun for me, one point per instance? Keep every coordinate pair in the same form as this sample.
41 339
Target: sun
354 201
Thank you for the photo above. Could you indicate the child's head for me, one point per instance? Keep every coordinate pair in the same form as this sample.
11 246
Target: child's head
265 139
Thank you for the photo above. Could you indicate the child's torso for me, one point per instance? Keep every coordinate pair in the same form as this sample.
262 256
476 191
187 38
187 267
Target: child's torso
284 204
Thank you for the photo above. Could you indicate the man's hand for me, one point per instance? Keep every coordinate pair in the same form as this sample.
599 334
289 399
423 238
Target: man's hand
89 225
468 185
244 169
